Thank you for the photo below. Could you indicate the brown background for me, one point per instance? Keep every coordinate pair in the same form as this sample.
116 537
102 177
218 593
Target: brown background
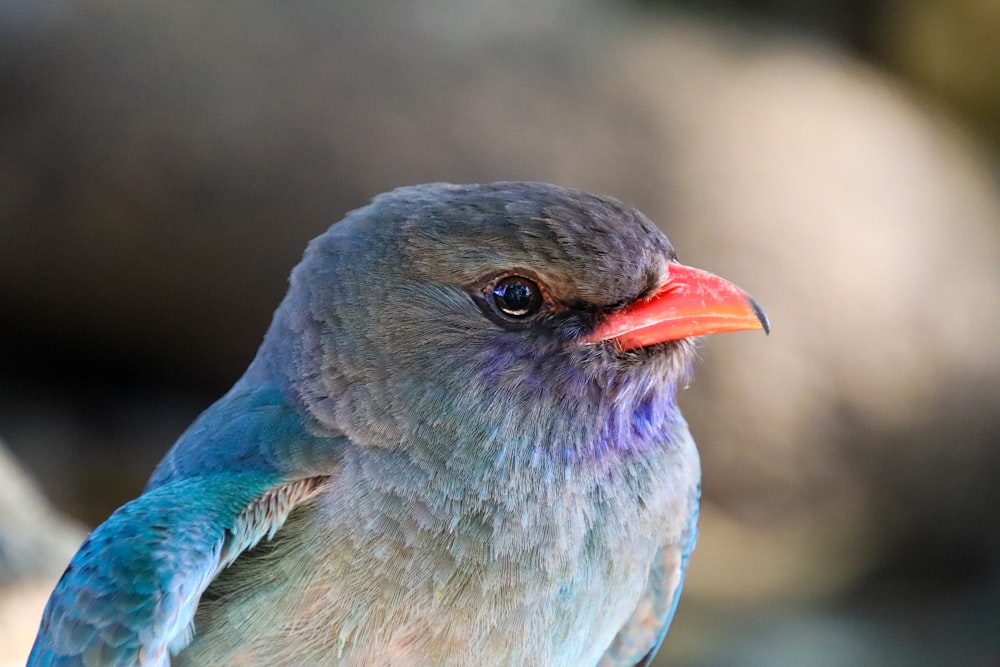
162 166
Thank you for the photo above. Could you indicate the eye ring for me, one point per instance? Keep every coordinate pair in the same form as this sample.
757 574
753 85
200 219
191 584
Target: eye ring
516 297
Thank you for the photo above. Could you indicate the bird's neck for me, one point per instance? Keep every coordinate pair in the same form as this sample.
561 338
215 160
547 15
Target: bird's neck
493 470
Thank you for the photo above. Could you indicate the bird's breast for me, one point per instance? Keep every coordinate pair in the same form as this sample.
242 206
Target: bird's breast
418 572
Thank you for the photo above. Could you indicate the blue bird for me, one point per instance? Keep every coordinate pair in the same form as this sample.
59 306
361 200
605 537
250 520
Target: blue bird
459 444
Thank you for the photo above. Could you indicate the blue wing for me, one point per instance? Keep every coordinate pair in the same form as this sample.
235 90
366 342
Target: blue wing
129 595
640 638
131 591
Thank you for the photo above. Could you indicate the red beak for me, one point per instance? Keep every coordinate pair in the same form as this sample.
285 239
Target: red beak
690 303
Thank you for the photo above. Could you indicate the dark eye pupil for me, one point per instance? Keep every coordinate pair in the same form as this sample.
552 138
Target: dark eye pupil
517 297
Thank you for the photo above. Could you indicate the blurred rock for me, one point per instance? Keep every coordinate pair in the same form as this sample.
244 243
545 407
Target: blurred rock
868 229
165 164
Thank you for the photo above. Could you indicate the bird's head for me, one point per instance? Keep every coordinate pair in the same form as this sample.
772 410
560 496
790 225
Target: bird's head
509 315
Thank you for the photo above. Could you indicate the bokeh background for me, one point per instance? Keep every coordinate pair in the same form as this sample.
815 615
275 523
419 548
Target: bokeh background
163 164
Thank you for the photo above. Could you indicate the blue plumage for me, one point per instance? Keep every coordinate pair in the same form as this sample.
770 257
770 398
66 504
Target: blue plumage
458 444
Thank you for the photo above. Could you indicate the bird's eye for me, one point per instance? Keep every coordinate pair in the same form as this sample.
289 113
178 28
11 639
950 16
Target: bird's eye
517 296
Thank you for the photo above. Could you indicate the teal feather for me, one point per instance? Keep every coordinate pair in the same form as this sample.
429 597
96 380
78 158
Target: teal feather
403 478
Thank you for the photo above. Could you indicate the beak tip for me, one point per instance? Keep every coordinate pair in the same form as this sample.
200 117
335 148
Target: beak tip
765 323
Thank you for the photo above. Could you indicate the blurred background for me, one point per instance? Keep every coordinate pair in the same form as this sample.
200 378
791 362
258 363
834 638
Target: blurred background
162 166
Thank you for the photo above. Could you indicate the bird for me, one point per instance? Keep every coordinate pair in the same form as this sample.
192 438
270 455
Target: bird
458 444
